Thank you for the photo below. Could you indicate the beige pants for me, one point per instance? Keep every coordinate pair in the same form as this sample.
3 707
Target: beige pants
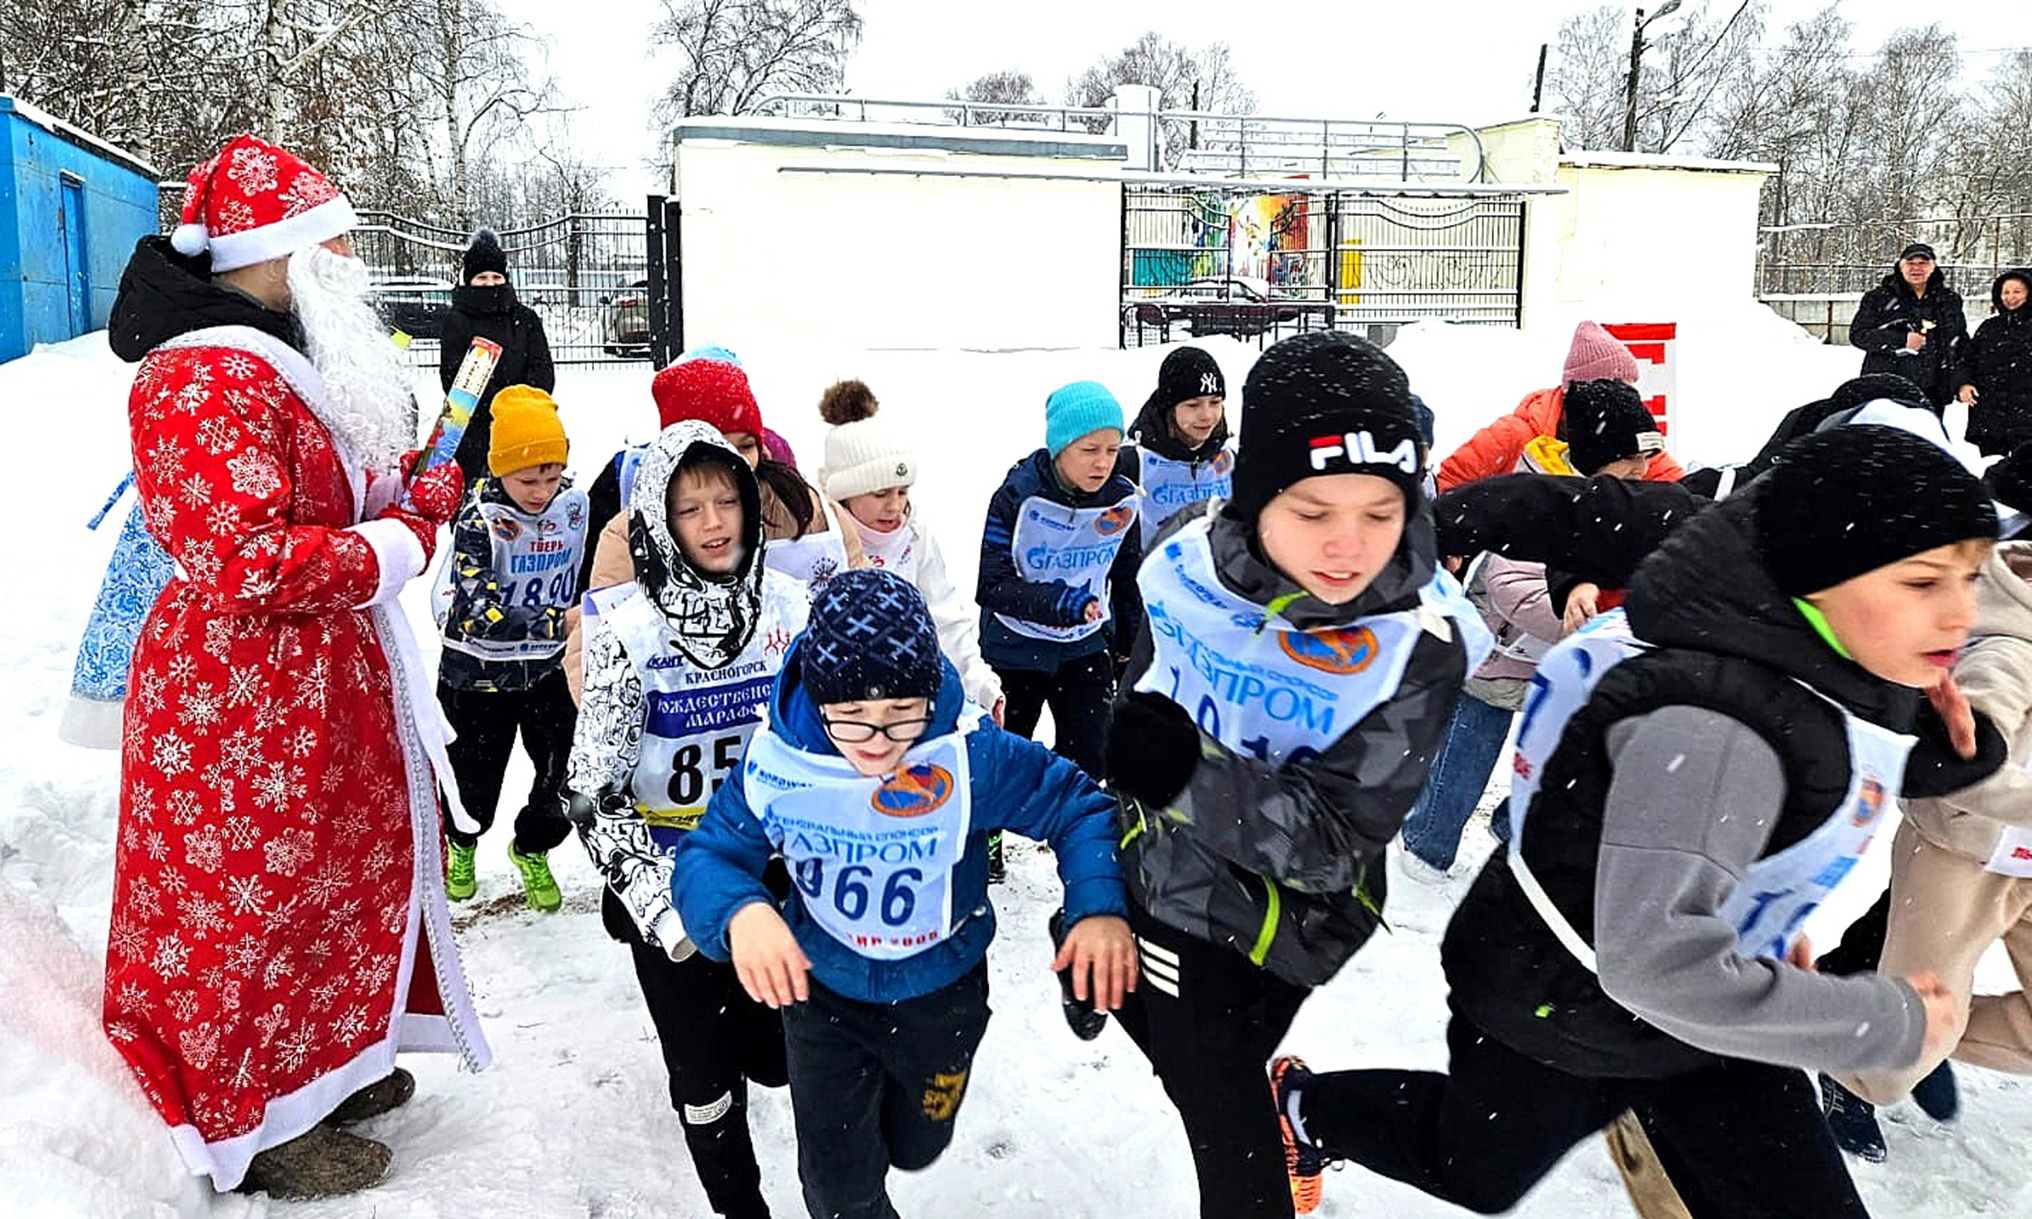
1946 911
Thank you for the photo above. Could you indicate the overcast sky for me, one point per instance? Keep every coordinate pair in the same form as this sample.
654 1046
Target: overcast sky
1469 61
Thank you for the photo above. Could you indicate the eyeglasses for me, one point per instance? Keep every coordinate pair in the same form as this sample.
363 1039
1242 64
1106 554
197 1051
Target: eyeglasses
854 732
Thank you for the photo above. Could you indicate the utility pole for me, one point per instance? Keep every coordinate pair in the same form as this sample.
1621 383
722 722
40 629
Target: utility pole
1538 82
1637 71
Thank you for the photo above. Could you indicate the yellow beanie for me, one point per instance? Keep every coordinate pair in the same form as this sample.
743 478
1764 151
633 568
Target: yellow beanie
527 431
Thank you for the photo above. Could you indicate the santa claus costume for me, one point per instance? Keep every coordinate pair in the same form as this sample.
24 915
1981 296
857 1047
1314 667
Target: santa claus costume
279 928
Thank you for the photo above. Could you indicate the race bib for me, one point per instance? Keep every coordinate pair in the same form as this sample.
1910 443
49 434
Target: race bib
1055 543
872 857
698 722
1262 687
1170 486
2013 856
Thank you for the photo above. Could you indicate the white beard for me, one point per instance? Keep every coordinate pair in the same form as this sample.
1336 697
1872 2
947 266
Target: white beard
368 399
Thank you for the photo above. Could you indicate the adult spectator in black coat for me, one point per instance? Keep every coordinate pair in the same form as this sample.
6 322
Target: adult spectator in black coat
1996 369
1912 325
484 306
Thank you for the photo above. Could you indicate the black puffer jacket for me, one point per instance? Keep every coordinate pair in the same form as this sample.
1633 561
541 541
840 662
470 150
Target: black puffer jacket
1890 311
163 295
1998 362
1732 645
493 313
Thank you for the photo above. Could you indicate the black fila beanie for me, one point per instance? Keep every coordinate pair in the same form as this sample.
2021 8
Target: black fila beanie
1324 402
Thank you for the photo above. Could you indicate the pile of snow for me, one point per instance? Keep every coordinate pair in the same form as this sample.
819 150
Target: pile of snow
574 1120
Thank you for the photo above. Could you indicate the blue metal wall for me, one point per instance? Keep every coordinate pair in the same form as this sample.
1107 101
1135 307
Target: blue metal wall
35 279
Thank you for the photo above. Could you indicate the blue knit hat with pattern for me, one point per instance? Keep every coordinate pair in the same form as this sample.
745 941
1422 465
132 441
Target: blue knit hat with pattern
870 636
1074 410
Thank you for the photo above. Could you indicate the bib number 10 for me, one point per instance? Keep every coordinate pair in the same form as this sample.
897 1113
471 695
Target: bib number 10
852 894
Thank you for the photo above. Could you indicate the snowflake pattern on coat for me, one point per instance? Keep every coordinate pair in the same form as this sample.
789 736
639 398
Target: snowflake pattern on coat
268 860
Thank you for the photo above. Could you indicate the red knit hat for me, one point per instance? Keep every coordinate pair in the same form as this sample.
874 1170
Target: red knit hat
255 201
713 392
1597 355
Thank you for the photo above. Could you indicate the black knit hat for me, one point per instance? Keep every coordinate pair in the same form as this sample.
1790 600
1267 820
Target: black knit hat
1840 503
1324 402
870 636
1189 373
483 253
1869 387
1607 421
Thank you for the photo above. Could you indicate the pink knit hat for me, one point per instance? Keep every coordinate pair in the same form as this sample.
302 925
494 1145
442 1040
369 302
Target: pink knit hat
1597 355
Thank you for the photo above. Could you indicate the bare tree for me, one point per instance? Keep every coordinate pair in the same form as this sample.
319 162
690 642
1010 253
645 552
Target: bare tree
1204 80
738 52
1009 88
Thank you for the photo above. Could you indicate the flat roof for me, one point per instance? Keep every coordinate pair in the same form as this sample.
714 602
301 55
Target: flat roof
823 132
9 104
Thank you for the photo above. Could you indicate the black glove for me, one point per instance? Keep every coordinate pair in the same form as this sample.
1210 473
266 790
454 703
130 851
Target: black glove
1934 769
1152 749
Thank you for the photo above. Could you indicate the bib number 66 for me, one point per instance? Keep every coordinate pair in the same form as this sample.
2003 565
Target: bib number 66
851 892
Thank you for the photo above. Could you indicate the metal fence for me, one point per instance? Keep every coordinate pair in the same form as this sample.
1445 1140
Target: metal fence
1815 274
1213 260
585 275
1197 141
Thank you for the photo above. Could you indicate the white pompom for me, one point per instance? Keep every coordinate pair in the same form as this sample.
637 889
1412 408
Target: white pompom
190 240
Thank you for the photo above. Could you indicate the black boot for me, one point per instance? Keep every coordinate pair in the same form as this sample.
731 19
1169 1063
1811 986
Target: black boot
1853 1121
996 874
375 1099
325 1162
1080 1016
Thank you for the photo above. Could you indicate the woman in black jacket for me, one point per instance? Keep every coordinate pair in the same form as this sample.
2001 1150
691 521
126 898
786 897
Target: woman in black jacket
484 306
1995 375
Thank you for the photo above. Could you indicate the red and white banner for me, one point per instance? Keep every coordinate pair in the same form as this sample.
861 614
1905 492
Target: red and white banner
1653 343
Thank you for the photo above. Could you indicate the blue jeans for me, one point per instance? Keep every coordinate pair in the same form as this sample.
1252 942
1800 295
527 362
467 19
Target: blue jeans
1460 774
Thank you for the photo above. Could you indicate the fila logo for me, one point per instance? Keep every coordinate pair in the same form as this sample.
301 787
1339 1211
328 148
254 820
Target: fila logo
1360 449
1209 383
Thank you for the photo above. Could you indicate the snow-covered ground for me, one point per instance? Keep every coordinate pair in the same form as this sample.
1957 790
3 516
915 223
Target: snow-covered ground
574 1119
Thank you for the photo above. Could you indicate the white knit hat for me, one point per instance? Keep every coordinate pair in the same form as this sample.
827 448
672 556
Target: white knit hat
862 453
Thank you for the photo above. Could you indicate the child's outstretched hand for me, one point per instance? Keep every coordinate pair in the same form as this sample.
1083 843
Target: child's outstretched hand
1953 708
771 966
1102 955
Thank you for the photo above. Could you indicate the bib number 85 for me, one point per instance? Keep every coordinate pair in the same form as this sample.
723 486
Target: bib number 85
688 778
851 894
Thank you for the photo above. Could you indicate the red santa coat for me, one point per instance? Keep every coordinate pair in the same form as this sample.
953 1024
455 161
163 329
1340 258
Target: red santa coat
278 864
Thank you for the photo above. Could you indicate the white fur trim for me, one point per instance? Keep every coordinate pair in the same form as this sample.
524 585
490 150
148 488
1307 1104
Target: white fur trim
189 240
92 723
397 552
332 218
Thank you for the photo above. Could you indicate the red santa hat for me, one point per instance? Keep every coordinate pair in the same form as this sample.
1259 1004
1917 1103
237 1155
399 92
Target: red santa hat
255 201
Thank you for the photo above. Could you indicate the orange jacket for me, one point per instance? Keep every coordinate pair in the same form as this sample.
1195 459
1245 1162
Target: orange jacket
1495 449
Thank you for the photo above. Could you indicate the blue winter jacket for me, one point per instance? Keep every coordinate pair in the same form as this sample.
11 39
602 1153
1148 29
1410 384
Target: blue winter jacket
1000 588
1017 785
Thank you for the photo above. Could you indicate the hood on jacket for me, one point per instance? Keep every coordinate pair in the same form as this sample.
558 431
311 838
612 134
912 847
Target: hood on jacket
163 295
1151 429
714 616
490 301
794 716
2004 595
2022 312
1544 410
1705 589
1239 562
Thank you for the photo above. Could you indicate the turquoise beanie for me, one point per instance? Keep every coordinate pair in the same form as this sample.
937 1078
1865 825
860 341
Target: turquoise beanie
1074 410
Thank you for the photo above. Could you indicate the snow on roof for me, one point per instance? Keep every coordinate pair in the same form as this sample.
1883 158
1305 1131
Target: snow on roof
76 135
1591 158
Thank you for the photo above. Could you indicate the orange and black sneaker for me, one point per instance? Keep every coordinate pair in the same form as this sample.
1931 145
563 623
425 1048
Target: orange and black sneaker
1303 1162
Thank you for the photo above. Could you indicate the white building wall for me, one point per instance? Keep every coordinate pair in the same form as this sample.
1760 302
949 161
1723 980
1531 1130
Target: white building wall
977 251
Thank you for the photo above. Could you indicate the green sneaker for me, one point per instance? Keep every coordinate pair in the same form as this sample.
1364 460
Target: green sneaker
460 883
538 885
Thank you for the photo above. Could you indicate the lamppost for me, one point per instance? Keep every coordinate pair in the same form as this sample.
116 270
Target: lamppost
1636 70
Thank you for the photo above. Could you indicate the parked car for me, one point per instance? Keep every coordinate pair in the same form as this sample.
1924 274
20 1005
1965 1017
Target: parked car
413 304
624 320
1237 305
